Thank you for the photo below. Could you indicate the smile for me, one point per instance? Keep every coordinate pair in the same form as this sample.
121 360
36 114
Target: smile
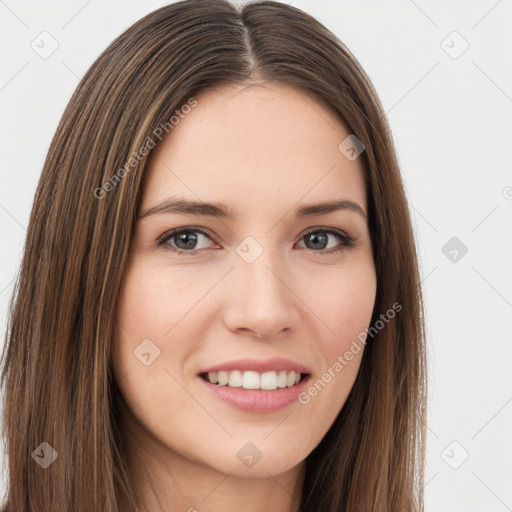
254 380
255 400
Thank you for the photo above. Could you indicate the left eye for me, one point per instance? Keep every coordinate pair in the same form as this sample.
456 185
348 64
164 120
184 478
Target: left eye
320 237
186 240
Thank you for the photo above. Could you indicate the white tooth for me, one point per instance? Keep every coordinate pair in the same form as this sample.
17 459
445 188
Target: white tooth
269 380
281 379
235 379
254 380
223 378
290 380
251 380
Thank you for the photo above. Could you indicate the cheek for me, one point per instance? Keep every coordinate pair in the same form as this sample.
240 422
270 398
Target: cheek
344 305
152 327
139 322
155 298
143 298
143 319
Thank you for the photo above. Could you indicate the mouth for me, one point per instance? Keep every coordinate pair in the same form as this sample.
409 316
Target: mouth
253 380
255 392
256 385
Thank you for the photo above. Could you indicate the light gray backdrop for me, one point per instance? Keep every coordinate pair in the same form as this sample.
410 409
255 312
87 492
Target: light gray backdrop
444 73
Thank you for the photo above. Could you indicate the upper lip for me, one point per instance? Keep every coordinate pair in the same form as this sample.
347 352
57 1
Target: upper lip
259 365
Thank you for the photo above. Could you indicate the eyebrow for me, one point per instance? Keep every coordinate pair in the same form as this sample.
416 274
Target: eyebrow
221 211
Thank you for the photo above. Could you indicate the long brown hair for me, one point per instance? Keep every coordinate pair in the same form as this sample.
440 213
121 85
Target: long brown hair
56 369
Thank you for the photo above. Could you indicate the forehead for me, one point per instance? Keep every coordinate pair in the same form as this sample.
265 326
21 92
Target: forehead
255 147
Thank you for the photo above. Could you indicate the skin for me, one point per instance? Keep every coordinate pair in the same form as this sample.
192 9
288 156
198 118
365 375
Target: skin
262 150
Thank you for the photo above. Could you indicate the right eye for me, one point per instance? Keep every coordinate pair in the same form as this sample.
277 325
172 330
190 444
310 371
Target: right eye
185 240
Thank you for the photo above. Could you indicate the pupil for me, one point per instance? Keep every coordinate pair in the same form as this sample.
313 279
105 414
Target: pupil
316 238
187 239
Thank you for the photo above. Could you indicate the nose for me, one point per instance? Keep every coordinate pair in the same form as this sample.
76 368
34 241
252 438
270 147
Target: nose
260 299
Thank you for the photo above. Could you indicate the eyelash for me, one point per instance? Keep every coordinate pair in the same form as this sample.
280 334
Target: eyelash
347 241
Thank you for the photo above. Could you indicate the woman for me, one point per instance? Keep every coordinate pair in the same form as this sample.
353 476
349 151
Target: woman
219 303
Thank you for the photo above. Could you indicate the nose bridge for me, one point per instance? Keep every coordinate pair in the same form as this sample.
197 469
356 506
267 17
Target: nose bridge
260 266
261 300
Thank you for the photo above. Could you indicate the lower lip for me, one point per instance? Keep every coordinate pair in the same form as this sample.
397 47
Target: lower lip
257 400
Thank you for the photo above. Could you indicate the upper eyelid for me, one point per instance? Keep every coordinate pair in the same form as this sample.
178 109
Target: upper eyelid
173 232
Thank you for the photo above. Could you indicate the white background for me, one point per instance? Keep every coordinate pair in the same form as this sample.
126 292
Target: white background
450 118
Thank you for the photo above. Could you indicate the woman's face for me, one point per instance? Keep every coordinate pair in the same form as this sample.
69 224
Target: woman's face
249 297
